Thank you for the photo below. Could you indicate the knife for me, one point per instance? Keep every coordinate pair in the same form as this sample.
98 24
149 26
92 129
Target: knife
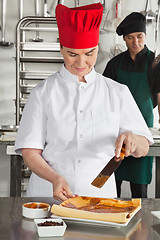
107 171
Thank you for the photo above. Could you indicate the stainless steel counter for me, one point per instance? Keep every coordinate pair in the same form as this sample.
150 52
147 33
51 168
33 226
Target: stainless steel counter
143 226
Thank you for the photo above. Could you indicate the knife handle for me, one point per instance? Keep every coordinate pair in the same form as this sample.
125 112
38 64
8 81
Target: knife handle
122 154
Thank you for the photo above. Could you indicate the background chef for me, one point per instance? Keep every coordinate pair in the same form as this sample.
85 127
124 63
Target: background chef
134 68
74 120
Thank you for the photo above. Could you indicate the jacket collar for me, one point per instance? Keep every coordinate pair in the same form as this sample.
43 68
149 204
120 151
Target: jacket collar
140 54
67 76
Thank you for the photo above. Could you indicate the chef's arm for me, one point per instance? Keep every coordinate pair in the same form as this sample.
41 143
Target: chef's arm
158 103
34 160
135 145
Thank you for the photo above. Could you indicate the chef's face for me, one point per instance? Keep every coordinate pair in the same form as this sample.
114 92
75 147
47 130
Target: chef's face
79 61
135 42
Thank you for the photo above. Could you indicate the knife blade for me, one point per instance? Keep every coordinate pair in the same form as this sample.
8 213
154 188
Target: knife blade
107 171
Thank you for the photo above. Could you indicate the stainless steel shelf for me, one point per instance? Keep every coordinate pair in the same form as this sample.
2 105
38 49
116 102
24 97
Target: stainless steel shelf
22 102
45 46
40 29
42 59
32 53
26 88
35 75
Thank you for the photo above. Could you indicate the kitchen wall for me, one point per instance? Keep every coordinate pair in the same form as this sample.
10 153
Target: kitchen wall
8 65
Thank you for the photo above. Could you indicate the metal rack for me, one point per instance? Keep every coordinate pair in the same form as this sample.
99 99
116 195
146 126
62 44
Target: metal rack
35 60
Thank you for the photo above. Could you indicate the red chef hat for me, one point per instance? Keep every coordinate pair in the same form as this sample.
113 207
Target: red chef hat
79 27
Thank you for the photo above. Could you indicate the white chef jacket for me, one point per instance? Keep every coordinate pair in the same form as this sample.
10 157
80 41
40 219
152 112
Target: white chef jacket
76 125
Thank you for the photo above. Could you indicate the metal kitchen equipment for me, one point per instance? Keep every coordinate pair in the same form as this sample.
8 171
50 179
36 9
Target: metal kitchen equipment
157 56
38 4
34 60
157 28
117 48
76 3
45 11
20 9
61 2
149 14
9 128
112 18
103 3
3 43
37 14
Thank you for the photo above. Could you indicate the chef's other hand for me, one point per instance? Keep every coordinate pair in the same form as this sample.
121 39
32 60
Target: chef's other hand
61 190
135 145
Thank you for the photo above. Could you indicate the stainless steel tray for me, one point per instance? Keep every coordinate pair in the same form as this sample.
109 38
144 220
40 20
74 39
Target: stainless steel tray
95 222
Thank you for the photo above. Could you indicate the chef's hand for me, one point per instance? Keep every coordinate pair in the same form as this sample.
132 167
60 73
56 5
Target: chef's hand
61 190
135 145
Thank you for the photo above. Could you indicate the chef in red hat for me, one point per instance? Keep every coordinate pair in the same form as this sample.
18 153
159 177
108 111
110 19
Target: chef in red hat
74 120
79 30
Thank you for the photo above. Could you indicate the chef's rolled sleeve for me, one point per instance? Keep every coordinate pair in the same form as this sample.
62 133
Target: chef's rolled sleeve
32 130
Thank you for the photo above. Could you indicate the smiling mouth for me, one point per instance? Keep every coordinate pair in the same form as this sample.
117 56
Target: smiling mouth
135 47
80 69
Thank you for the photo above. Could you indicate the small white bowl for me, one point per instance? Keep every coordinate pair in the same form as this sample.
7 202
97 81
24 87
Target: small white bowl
35 210
50 231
